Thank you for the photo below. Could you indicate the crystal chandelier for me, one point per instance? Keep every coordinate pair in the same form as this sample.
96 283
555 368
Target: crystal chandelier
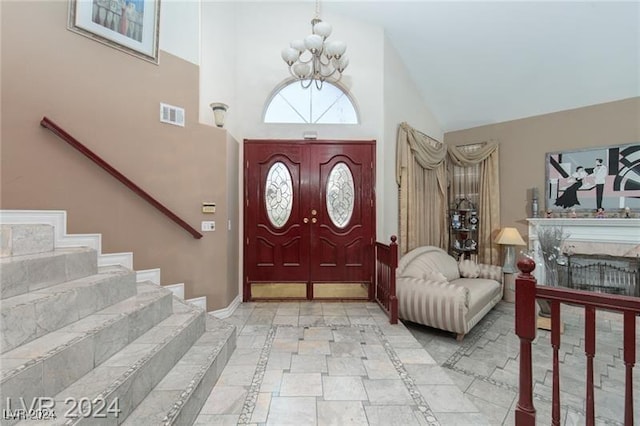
315 59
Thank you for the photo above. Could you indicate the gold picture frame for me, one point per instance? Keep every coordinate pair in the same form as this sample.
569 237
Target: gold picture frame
131 26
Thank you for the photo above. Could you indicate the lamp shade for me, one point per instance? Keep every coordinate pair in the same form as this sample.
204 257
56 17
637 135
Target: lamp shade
510 236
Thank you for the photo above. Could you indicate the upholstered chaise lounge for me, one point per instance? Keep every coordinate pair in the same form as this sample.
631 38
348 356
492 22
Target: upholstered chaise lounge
431 290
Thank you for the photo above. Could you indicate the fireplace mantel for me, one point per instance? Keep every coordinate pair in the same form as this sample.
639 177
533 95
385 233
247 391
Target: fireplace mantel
613 237
616 231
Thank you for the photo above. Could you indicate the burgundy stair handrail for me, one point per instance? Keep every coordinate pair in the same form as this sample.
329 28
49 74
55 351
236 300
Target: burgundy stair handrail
526 293
62 134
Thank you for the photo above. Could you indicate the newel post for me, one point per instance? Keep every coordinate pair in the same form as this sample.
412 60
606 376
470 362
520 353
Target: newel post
393 262
526 331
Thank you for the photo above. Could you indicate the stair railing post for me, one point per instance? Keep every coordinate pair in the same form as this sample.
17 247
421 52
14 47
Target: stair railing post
526 328
393 262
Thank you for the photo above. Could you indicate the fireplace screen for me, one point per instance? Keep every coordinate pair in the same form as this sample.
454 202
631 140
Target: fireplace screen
602 274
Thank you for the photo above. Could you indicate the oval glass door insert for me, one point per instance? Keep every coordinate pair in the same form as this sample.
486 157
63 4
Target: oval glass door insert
278 194
340 195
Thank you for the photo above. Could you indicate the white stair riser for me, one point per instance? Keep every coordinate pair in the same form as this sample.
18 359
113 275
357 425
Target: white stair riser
25 322
29 273
18 240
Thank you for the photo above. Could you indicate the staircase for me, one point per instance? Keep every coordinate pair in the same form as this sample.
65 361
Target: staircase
89 341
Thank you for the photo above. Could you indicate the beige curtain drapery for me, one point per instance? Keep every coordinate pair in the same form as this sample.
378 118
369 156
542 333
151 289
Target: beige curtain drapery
486 156
422 180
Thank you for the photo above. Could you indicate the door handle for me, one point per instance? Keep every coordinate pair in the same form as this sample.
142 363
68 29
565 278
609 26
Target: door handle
305 220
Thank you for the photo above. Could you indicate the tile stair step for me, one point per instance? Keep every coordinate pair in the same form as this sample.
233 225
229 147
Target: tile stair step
179 397
22 274
131 373
28 316
17 240
47 365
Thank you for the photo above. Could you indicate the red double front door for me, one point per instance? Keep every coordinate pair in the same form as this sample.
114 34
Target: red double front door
309 214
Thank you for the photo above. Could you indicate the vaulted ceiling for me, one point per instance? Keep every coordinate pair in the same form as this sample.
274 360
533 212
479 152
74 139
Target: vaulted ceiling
480 62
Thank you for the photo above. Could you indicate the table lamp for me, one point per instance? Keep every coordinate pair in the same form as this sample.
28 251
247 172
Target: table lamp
509 237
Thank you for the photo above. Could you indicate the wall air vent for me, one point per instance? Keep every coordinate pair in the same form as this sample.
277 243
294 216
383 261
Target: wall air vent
172 115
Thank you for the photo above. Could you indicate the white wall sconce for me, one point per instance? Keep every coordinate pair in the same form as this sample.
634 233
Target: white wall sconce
219 112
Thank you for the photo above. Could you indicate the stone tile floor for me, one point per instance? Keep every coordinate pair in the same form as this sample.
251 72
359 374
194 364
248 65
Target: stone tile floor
318 363
485 366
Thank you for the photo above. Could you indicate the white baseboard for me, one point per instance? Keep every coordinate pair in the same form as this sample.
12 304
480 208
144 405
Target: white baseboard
176 289
229 310
58 219
152 275
113 259
200 302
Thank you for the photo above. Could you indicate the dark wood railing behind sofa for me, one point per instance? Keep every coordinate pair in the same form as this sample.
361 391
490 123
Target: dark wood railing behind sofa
526 293
385 280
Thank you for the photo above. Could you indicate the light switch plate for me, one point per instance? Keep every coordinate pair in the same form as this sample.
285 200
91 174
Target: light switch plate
208 226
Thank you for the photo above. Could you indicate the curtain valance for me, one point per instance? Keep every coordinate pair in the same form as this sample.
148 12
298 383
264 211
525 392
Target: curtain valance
428 152
421 164
466 158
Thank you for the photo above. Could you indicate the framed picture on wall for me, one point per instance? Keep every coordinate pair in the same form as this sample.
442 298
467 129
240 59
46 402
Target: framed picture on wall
595 178
128 25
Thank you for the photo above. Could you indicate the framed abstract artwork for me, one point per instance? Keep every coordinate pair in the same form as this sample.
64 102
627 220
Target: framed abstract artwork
128 25
595 178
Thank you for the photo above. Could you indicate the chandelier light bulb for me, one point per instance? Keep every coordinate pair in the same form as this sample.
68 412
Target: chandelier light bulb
326 70
301 70
290 55
313 42
341 64
298 45
323 29
338 48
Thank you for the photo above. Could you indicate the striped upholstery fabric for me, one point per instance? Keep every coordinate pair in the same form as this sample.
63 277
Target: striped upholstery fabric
454 305
421 259
491 272
437 304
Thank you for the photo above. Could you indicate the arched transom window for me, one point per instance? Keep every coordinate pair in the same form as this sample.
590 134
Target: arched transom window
294 104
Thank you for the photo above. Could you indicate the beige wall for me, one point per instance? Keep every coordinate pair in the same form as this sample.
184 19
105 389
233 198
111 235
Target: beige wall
109 101
524 143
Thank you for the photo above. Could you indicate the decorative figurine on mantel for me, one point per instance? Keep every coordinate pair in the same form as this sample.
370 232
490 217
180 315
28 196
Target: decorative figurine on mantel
573 214
600 213
549 214
627 212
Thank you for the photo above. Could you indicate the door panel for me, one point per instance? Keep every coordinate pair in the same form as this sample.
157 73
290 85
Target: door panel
329 233
276 253
346 248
